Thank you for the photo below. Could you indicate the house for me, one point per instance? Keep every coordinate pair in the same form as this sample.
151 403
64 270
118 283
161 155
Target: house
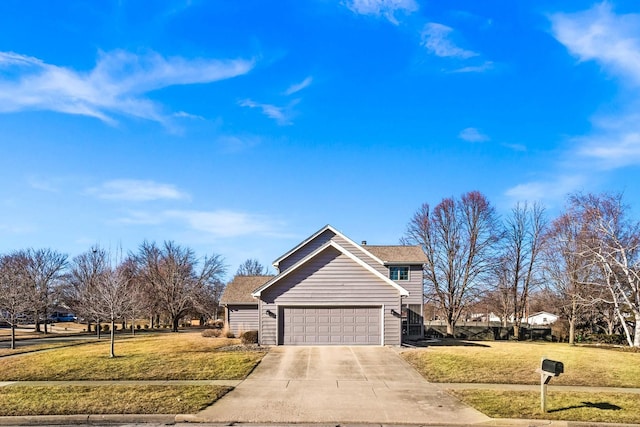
241 308
329 290
542 318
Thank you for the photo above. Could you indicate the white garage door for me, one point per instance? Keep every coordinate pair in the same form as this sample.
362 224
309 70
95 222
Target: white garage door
331 326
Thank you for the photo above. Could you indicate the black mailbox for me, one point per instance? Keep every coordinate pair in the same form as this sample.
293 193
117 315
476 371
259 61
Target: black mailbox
552 367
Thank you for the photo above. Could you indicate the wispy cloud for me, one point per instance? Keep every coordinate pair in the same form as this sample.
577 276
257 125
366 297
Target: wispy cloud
217 223
240 142
613 41
384 8
282 115
298 86
485 66
116 86
136 190
436 39
473 135
550 191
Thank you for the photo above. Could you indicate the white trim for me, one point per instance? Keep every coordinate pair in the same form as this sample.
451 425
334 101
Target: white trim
257 293
382 328
276 263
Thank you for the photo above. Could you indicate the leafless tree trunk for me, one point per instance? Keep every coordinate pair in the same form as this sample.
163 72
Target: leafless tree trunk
612 242
566 270
177 276
459 240
521 264
44 269
13 288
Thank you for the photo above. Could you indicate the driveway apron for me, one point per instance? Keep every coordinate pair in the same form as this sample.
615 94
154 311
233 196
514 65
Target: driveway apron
338 384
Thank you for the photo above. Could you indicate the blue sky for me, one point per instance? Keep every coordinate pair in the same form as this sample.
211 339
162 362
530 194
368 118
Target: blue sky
241 127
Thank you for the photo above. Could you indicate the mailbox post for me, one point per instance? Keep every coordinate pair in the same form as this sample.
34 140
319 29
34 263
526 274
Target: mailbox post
547 370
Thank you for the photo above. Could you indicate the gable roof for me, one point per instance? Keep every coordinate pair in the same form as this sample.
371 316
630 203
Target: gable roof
341 249
398 254
316 234
238 291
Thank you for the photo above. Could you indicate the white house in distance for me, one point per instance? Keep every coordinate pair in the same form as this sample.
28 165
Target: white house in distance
542 318
329 290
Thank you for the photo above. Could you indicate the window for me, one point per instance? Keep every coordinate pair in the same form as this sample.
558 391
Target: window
399 273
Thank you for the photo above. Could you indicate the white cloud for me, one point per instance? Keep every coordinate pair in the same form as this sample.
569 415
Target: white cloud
613 41
224 223
601 35
386 8
136 190
116 86
552 190
282 115
220 223
240 142
298 86
473 135
436 38
485 66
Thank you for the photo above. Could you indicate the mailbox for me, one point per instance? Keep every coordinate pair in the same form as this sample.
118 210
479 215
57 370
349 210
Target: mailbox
552 367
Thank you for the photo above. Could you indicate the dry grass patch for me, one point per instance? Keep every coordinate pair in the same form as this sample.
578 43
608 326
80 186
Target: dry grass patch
36 347
515 363
168 356
107 399
588 407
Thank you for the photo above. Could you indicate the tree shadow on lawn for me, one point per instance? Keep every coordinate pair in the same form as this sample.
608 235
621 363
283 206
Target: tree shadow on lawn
604 406
446 342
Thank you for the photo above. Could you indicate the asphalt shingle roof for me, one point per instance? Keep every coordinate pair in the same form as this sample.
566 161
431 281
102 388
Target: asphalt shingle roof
239 290
398 254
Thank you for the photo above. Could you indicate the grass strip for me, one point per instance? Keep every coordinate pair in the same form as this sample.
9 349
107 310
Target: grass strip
181 356
515 363
107 399
574 406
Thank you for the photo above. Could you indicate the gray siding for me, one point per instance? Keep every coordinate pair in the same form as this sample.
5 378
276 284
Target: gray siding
305 250
330 279
413 285
242 318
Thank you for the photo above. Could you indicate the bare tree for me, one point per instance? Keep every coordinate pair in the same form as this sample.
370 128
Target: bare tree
566 270
251 267
43 268
459 240
612 242
82 281
520 263
13 287
113 299
177 276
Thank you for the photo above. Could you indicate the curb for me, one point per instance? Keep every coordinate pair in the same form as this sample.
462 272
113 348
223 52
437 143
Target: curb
43 420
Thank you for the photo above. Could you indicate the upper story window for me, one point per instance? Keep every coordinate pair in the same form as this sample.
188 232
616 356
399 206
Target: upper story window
399 272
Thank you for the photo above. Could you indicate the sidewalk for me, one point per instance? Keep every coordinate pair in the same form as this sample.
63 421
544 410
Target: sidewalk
188 419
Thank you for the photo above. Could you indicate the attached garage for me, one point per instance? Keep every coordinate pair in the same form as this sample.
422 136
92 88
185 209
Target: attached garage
333 325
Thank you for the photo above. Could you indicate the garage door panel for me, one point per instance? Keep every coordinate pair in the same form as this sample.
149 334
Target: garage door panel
331 325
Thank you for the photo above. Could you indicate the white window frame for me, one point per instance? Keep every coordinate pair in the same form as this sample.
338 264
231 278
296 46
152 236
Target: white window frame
391 267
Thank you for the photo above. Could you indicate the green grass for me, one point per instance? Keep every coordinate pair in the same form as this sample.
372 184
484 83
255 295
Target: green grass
108 399
588 407
515 363
168 356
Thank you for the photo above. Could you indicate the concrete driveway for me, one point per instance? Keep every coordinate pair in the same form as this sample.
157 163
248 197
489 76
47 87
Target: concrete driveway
338 384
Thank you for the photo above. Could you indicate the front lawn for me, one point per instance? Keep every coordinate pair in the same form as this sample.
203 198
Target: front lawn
107 399
506 362
166 356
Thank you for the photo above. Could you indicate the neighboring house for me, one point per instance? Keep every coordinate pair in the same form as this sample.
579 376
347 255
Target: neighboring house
330 290
240 308
542 318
